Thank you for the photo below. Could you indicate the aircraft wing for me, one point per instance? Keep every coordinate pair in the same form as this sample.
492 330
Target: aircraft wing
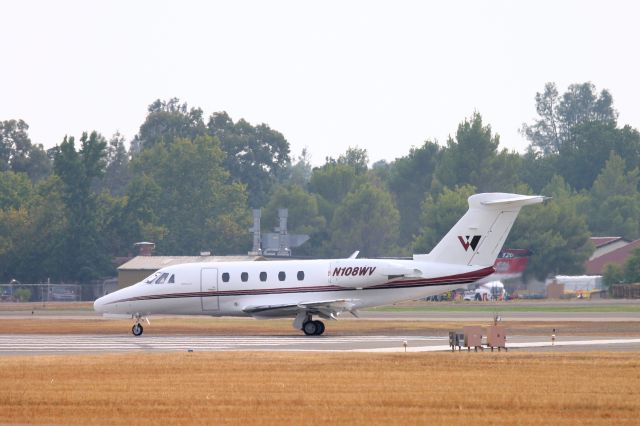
328 309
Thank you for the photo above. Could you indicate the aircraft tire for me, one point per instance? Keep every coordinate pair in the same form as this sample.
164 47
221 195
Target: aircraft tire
310 328
319 328
137 329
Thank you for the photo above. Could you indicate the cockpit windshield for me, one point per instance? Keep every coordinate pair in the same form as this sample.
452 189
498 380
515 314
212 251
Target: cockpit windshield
152 278
160 278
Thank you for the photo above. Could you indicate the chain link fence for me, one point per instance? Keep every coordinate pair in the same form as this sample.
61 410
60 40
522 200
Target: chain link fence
27 292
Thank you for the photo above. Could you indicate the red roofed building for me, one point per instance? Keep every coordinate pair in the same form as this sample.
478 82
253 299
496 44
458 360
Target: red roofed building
609 250
606 245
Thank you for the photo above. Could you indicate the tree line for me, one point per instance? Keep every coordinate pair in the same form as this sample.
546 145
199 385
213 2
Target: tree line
188 182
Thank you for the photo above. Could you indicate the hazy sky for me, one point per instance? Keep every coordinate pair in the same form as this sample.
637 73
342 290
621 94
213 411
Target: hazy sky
383 76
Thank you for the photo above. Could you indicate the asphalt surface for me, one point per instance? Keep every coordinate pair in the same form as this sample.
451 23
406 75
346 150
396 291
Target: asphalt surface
609 340
37 344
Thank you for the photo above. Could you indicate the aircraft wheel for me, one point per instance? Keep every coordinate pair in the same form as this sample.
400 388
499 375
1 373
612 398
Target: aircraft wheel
319 328
137 329
310 328
478 297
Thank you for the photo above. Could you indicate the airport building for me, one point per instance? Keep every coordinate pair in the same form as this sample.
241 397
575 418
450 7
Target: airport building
609 250
145 264
277 244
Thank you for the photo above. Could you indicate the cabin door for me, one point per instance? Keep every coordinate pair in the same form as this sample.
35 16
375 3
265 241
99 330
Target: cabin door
209 289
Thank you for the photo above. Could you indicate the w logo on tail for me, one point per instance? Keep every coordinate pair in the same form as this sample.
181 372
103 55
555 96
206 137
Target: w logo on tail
466 243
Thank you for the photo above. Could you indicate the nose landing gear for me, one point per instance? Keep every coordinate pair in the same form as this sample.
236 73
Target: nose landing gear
137 328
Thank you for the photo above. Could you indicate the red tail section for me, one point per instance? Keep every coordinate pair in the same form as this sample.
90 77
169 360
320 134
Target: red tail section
511 263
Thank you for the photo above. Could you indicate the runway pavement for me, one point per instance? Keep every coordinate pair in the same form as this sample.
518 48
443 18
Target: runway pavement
38 344
609 337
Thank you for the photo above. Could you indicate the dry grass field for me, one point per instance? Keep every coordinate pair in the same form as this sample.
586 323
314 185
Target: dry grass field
295 388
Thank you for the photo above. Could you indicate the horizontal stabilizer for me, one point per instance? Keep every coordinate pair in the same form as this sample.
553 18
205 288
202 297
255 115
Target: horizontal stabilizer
521 200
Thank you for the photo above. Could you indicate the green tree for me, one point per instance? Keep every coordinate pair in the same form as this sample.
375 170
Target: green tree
581 104
544 132
556 233
358 158
331 183
257 156
629 272
613 274
15 189
113 226
84 256
365 220
300 172
409 180
18 154
168 121
381 170
578 131
304 216
631 267
559 116
195 201
582 158
117 174
32 235
140 218
537 169
615 200
473 159
439 214
13 223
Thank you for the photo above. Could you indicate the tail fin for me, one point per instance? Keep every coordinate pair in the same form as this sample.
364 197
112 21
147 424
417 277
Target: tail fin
479 235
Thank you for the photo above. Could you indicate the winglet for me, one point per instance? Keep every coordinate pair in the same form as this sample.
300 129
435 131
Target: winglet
354 254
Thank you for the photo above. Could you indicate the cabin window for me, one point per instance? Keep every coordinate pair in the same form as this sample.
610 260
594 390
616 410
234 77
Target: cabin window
244 277
300 275
225 277
263 276
282 276
172 279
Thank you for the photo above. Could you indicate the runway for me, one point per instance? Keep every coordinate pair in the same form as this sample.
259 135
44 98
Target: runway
38 344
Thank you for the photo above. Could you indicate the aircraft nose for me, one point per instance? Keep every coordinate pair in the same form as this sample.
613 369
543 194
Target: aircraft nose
98 305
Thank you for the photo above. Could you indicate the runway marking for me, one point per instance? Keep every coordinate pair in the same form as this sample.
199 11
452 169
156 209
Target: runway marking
93 343
546 343
57 344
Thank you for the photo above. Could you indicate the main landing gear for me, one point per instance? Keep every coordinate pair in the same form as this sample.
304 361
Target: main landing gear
313 328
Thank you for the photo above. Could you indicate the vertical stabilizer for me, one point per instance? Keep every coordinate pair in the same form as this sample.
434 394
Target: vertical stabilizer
479 235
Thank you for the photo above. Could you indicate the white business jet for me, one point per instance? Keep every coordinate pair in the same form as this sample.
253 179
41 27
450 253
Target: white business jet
325 288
